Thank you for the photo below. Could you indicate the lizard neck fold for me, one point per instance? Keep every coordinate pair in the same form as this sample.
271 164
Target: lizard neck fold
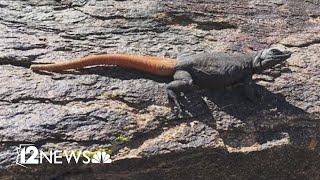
256 65
247 61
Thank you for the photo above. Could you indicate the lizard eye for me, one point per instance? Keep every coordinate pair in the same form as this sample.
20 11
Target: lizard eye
276 51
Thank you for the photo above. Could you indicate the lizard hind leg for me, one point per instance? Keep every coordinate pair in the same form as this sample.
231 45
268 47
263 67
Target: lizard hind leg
182 82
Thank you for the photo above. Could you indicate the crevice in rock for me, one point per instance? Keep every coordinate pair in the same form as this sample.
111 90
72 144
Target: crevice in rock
305 44
24 61
36 100
23 64
68 5
3 5
184 19
16 24
315 16
111 17
136 106
30 47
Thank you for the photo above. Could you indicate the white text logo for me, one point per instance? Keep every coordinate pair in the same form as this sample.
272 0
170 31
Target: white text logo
29 154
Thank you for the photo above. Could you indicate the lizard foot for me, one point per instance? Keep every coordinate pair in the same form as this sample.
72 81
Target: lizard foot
173 98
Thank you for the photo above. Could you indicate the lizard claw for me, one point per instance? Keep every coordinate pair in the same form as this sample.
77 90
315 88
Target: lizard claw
173 98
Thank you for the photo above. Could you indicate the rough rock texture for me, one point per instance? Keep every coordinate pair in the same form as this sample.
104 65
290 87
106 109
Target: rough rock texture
221 136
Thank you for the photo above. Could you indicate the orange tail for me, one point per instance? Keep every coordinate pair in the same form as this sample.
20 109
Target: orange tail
153 65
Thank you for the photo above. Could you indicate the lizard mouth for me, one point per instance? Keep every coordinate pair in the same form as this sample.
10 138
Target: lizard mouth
284 55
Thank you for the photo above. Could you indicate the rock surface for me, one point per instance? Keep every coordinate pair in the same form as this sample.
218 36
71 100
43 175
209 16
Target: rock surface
221 136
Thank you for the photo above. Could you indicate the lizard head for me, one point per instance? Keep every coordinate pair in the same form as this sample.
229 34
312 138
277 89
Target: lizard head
268 58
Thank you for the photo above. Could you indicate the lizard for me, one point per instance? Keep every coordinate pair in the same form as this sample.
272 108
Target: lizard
204 70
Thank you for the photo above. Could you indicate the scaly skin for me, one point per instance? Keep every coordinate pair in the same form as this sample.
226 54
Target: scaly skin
206 70
153 65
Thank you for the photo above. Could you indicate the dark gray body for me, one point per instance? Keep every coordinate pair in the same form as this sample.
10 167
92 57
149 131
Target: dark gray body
216 70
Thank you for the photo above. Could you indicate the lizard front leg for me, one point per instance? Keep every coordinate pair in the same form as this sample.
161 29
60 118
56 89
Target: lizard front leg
182 82
250 89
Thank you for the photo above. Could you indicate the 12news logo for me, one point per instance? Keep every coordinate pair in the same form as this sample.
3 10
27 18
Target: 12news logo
29 154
